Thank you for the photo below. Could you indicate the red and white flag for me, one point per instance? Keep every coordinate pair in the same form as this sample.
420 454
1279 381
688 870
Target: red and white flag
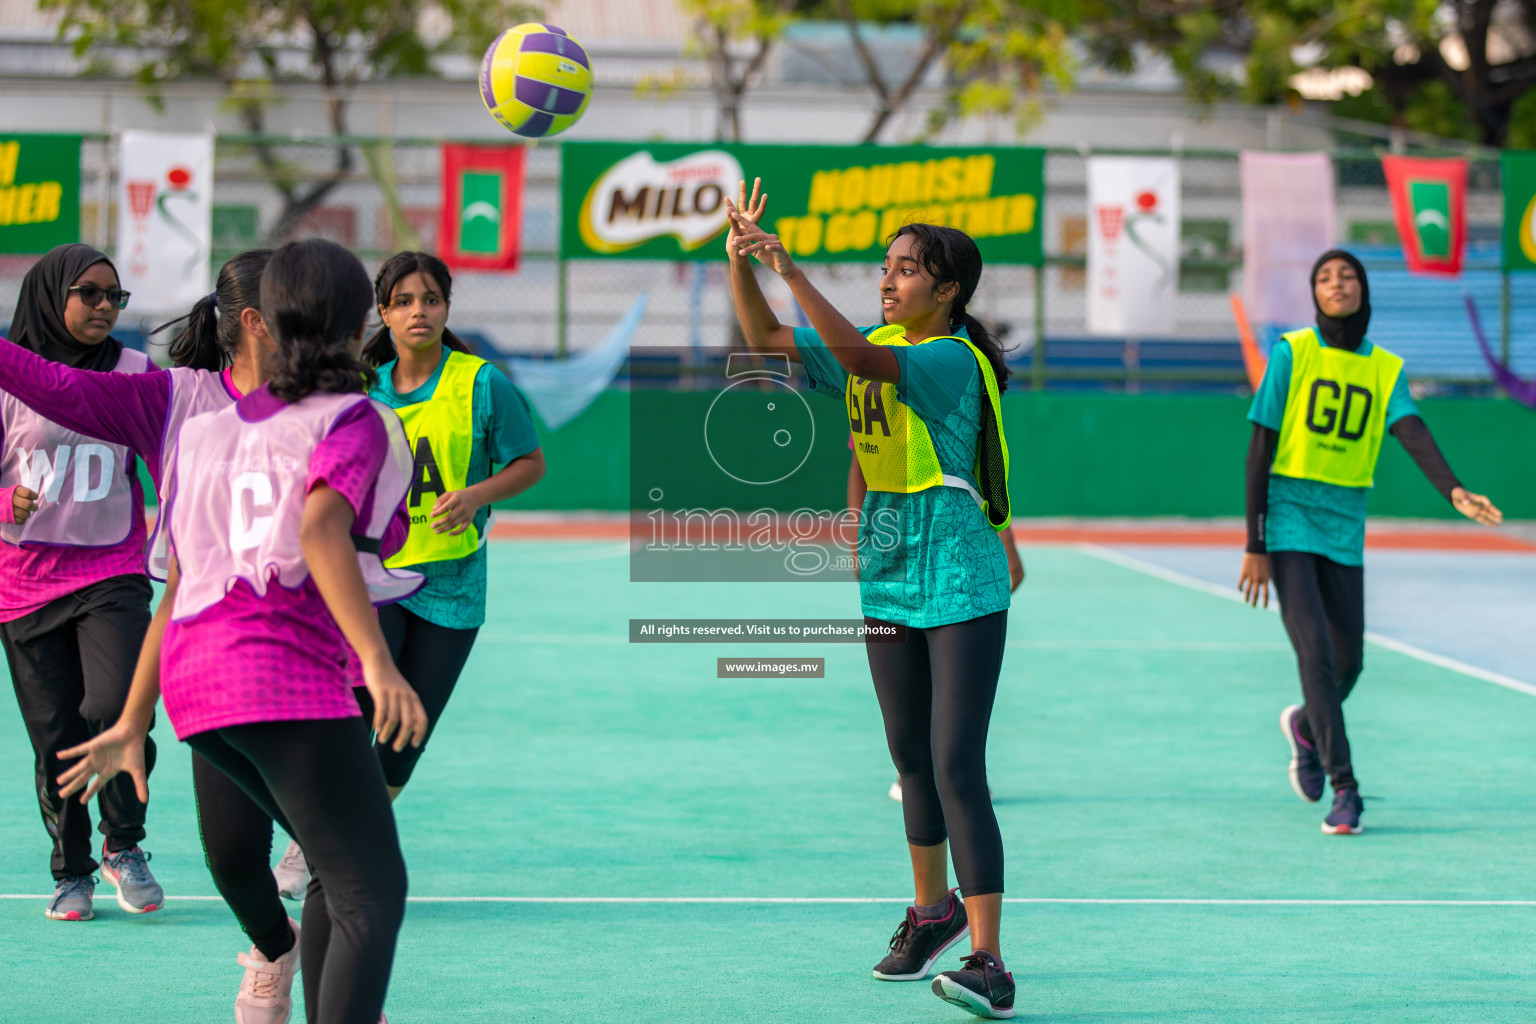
165 219
1133 245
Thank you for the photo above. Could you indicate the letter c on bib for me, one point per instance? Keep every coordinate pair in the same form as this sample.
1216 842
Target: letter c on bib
248 529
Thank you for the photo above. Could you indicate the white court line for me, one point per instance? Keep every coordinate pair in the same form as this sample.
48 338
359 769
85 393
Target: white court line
766 900
1232 594
586 639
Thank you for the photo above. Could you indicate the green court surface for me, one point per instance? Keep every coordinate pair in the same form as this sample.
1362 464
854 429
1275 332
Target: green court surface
607 832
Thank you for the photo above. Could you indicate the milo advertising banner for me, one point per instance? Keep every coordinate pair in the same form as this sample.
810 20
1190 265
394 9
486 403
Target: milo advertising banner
829 204
39 192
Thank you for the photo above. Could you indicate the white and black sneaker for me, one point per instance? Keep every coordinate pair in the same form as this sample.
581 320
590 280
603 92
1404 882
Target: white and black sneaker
981 986
918 942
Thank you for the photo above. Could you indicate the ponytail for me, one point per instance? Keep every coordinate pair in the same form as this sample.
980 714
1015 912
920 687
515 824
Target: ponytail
196 345
380 348
989 344
315 298
951 256
211 333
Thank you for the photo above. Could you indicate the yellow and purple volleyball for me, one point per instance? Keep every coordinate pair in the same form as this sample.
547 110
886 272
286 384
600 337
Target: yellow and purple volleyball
536 80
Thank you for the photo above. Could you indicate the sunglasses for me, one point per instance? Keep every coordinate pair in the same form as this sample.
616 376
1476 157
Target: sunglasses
92 294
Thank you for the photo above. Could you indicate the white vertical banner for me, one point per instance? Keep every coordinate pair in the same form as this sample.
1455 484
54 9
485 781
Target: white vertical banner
1133 245
165 218
1288 221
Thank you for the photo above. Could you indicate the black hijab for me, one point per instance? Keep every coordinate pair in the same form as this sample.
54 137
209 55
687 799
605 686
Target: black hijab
39 321
1343 331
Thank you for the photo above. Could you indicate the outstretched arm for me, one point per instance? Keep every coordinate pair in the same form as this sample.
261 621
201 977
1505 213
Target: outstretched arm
125 408
1414 434
759 325
847 344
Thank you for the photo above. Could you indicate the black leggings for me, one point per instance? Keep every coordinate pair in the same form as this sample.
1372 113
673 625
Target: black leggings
1323 606
430 657
237 843
319 781
936 690
71 664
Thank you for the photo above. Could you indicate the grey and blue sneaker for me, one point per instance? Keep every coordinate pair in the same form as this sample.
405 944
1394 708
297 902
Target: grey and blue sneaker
137 890
1344 819
1307 776
981 986
72 899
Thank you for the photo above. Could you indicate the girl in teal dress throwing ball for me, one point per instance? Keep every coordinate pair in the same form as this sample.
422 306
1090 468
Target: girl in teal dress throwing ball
921 391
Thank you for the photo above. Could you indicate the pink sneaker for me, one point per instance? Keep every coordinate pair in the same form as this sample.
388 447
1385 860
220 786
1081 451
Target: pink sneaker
266 990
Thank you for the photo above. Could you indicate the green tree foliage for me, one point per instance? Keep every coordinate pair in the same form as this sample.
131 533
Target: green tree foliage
1000 55
1463 68
247 45
735 38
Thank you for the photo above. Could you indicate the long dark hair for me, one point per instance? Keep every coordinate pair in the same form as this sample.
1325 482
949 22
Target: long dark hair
209 340
315 299
381 347
948 254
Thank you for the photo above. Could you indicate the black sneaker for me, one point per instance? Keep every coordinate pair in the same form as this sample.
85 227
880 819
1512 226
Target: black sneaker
1344 819
981 987
917 944
1307 776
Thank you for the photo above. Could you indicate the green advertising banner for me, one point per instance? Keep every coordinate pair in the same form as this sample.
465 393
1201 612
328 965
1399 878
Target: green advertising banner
829 204
39 192
1517 168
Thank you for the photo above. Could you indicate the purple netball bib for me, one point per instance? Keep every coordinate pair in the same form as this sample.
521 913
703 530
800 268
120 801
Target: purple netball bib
193 393
239 494
85 495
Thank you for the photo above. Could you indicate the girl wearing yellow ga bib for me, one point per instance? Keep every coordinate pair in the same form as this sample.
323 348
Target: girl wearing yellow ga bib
921 392
1328 399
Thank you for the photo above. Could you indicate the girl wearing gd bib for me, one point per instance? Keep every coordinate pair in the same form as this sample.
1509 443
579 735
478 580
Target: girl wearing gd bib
294 494
1327 401
922 397
74 602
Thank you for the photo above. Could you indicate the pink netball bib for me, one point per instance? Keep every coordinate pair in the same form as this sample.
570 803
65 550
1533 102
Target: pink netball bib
239 493
85 495
193 393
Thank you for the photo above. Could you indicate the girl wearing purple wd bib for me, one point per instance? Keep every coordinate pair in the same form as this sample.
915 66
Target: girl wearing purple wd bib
74 602
280 508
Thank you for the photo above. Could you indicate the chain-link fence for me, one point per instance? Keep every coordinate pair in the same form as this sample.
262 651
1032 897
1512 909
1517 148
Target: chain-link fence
551 307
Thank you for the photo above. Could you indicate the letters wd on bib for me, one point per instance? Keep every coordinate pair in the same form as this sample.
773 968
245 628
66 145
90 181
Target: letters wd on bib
164 218
830 204
1133 245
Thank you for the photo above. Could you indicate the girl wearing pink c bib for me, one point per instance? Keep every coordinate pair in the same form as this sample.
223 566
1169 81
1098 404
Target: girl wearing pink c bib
280 508
74 603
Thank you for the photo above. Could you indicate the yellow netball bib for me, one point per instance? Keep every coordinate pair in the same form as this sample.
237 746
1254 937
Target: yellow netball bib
441 432
895 450
1335 411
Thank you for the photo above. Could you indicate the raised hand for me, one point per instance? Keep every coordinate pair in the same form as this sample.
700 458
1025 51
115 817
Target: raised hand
750 208
1476 507
751 240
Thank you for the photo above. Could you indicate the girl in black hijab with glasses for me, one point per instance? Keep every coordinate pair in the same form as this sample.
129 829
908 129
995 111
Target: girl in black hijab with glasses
74 599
